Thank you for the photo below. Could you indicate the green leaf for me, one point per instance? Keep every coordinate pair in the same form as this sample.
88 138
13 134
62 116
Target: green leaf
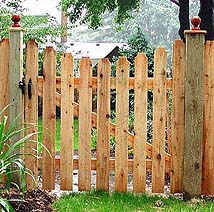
6 206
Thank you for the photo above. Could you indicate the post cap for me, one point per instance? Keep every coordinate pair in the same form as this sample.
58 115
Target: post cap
196 21
15 18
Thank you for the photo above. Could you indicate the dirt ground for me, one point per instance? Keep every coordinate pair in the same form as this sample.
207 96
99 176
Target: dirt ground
41 201
34 201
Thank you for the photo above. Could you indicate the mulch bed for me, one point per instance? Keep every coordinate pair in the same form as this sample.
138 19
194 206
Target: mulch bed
34 201
41 201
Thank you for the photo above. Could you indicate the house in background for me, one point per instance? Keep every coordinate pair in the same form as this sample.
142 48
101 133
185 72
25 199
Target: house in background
95 51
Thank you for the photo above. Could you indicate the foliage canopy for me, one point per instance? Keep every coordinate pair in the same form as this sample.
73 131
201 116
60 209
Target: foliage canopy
42 28
91 12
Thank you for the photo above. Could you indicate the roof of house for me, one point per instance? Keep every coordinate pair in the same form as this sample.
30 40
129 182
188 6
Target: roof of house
93 50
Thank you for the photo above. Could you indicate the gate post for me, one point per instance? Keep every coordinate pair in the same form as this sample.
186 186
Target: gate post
193 135
15 79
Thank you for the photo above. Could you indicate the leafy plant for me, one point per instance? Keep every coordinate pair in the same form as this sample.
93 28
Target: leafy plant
11 158
5 205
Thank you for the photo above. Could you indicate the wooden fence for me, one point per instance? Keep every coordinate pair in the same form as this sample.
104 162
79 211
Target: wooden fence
148 158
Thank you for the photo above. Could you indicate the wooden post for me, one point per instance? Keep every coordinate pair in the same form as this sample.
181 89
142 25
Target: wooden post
193 133
15 79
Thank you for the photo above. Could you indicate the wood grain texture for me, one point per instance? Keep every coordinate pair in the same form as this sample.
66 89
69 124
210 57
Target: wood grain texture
178 69
140 123
121 135
4 73
15 76
67 115
31 109
85 109
159 120
103 125
4 79
193 134
112 125
111 164
150 82
49 118
208 132
16 109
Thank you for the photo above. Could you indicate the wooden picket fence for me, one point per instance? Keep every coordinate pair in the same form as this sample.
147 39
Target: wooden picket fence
148 157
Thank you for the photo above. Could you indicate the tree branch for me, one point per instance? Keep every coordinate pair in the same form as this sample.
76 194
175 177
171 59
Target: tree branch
176 2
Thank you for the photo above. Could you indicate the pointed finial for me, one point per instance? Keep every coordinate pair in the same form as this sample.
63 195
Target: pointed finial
16 18
196 21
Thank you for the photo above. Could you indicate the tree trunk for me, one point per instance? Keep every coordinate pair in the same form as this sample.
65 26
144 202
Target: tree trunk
183 17
206 14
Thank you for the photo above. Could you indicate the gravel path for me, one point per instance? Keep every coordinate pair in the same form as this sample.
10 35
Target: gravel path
59 192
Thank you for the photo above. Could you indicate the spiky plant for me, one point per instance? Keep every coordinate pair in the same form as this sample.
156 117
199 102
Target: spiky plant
11 158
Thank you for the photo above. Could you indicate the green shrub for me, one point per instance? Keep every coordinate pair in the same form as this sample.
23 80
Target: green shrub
11 158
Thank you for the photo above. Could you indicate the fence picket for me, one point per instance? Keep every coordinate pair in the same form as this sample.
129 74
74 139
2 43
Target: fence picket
122 115
4 73
85 109
147 156
112 125
4 77
103 124
49 118
159 120
67 115
31 108
178 68
140 123
208 144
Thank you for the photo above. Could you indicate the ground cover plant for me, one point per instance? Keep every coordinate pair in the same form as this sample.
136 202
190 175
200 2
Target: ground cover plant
14 195
100 201
11 159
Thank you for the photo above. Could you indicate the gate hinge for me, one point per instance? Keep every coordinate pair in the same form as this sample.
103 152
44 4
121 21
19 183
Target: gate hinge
22 85
29 88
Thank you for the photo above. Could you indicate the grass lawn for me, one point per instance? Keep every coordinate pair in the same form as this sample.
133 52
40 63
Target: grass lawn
58 123
98 201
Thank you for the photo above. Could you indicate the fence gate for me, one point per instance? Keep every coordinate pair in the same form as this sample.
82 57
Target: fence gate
142 129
